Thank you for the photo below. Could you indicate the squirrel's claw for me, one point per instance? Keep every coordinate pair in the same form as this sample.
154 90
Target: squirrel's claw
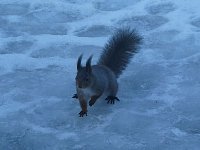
75 96
111 99
91 103
82 113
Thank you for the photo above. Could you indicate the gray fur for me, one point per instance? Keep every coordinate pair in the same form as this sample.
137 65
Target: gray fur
88 64
119 50
79 66
93 81
105 80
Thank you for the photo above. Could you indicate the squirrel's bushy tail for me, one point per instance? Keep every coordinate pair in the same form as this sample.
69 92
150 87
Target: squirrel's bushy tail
119 50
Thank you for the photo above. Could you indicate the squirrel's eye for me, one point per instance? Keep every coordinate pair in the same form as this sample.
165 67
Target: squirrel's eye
86 79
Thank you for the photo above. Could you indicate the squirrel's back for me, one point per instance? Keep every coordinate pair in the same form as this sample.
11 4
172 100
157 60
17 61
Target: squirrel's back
119 50
103 76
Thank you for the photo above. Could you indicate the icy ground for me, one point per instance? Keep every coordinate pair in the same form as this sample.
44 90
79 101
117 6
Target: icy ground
160 90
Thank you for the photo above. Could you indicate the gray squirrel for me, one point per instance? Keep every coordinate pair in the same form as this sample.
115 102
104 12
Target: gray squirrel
93 81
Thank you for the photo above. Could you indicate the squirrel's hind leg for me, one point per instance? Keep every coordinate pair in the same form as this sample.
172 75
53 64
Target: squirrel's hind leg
112 99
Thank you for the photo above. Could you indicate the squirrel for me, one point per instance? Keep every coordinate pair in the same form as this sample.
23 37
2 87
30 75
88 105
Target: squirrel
93 81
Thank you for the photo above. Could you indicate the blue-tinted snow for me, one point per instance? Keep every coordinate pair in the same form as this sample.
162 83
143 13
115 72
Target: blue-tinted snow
160 90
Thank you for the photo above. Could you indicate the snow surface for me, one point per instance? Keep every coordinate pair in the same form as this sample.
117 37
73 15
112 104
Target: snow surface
160 90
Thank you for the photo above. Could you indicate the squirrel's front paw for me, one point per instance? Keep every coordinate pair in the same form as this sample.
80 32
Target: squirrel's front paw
75 96
82 113
111 99
91 103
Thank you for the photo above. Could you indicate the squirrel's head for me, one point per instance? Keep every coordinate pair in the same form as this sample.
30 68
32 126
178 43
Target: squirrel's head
84 74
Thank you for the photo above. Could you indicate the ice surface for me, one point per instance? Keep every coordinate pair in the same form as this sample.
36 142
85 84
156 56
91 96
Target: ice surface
144 22
21 46
108 5
95 31
161 8
14 9
159 91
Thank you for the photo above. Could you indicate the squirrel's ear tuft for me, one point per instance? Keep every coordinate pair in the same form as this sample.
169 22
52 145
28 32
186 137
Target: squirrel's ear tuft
79 66
88 64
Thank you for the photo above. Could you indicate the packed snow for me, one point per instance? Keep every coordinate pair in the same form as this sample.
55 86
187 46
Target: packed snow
159 92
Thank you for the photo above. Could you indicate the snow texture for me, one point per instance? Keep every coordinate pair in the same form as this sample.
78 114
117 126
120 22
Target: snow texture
40 42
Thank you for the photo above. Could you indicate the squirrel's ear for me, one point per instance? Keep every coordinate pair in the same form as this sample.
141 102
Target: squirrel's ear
79 66
88 64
